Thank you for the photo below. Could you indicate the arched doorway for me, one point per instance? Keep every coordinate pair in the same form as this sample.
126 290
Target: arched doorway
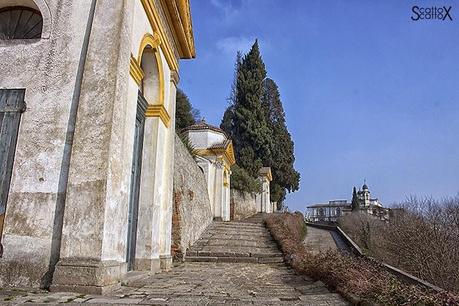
140 224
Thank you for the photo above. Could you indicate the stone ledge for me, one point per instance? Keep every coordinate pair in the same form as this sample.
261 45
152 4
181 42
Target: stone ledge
150 264
87 275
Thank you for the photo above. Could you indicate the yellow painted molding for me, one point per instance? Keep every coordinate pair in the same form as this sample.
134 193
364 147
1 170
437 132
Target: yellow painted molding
159 111
148 40
136 71
225 177
229 153
155 23
225 155
153 41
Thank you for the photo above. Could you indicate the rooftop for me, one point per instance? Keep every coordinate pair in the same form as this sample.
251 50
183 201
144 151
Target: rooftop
203 125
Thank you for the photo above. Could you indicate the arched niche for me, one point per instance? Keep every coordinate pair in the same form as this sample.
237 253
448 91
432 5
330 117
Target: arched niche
38 5
150 61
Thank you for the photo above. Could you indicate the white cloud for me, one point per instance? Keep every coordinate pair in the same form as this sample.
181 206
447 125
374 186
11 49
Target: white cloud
230 9
230 45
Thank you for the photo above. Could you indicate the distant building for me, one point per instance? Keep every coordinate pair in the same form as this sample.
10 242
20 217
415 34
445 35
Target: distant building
331 211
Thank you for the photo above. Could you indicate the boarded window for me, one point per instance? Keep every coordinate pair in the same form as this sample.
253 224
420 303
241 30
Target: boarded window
20 23
11 107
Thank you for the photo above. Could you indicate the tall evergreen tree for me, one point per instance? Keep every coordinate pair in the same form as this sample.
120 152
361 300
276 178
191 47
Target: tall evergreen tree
282 158
227 121
185 114
249 130
255 120
355 200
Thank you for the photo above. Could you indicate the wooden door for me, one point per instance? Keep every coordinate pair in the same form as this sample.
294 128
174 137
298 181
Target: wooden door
12 105
135 181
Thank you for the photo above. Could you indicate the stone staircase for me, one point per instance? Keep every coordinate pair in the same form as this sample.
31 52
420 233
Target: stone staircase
244 242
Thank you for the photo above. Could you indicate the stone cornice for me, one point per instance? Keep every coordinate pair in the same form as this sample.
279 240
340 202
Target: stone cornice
179 15
268 174
175 78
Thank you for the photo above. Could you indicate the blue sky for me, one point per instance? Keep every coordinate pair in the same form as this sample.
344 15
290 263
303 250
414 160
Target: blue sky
368 93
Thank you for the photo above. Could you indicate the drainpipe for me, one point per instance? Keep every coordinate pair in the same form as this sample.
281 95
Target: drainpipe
65 165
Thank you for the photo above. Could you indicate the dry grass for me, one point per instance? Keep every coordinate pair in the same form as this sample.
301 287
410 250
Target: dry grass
360 280
422 239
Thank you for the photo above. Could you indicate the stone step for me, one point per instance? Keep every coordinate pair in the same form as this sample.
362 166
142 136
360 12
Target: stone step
235 248
240 224
267 240
243 236
232 248
237 232
240 242
223 253
237 228
261 260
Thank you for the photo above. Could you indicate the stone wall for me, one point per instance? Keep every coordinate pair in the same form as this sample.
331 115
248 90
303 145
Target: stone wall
192 211
243 204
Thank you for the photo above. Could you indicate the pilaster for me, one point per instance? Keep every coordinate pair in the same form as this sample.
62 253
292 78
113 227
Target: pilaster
92 251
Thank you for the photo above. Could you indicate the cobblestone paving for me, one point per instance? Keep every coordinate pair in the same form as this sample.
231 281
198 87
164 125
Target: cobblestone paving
210 282
199 283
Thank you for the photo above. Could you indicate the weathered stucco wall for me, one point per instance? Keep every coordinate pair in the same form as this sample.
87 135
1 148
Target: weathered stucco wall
47 69
192 211
243 204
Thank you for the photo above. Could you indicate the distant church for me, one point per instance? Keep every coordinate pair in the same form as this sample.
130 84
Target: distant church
361 203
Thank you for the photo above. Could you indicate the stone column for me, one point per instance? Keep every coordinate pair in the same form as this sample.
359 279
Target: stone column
267 199
218 191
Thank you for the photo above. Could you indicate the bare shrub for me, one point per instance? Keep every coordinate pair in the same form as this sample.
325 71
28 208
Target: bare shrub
364 280
422 238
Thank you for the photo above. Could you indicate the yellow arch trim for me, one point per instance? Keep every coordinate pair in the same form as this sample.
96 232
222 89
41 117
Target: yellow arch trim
153 41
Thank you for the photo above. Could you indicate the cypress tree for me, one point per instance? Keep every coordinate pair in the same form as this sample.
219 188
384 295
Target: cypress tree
185 114
249 130
227 121
255 120
282 158
355 200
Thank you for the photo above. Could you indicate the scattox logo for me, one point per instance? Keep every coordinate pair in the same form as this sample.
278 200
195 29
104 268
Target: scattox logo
431 13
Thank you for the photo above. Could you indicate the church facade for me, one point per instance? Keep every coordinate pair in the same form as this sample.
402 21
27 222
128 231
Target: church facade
331 211
87 116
